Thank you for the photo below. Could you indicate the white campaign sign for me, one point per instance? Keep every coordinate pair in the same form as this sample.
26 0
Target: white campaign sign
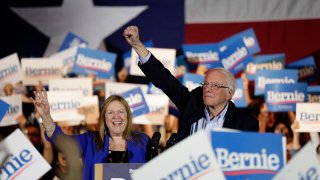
40 69
159 109
68 57
72 84
308 116
65 105
304 165
14 111
166 56
10 70
112 88
192 158
90 105
21 159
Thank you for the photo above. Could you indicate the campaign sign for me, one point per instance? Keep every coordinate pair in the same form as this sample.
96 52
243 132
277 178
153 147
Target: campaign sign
313 94
112 88
99 63
183 161
204 54
87 111
65 105
239 97
192 81
15 110
247 36
308 116
259 156
4 107
307 69
264 77
158 107
284 97
72 84
67 56
90 108
304 165
126 57
136 101
265 62
40 70
115 171
236 57
166 56
72 40
10 70
23 161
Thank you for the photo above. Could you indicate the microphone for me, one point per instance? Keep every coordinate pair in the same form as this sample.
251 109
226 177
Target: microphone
171 141
152 146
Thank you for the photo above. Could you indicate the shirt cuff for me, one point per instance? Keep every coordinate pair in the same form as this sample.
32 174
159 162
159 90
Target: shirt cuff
143 60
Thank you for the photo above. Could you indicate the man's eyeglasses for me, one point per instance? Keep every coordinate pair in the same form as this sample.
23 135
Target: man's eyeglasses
213 85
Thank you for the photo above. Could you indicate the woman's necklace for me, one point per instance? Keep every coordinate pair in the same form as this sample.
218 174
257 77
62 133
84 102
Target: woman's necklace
115 155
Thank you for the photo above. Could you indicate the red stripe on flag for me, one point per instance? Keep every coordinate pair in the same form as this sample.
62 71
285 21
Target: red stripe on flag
296 38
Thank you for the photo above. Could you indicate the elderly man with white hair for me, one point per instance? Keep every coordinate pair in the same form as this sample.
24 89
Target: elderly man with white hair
205 107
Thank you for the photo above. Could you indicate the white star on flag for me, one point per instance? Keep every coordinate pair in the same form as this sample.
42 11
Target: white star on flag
92 23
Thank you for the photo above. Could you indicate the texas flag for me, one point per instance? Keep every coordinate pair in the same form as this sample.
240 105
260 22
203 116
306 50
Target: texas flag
281 26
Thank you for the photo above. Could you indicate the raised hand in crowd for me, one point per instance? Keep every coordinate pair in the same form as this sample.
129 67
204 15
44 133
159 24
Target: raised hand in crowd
131 35
42 107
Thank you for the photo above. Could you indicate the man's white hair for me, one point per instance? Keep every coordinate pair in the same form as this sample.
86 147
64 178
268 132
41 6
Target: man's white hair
231 81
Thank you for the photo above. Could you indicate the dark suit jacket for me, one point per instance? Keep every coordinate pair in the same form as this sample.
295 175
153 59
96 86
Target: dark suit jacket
190 104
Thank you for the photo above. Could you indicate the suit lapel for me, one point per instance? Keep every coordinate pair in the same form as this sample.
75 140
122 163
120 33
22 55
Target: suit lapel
228 118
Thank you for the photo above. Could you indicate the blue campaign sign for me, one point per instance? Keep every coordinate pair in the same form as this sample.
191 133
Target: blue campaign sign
126 57
236 57
4 107
72 40
284 97
136 101
192 81
204 54
307 69
265 62
313 94
239 97
264 77
247 36
258 156
99 63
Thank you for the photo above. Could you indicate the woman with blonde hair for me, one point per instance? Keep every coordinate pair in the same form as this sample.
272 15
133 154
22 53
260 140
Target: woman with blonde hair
115 142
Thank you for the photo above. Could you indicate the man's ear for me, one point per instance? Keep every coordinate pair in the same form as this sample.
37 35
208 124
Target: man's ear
230 94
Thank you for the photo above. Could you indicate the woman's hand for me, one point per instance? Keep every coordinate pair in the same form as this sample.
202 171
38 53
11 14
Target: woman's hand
41 102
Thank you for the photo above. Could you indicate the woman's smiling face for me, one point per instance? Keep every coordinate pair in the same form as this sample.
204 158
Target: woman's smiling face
116 118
